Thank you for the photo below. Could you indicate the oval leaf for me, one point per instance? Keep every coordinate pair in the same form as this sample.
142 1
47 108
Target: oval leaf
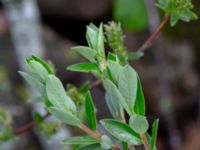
121 131
57 95
65 117
115 98
106 142
128 86
34 83
86 52
43 63
139 124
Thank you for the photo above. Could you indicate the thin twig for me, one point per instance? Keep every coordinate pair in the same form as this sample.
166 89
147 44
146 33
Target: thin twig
28 126
155 34
96 135
90 132
94 84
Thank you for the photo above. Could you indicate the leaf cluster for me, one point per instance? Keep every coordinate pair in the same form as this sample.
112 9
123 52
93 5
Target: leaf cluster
178 10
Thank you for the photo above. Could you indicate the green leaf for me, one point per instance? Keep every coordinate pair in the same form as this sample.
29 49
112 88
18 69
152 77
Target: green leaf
57 95
139 124
82 140
83 67
92 37
124 146
38 71
106 142
34 83
86 52
140 101
131 13
84 88
112 57
48 68
128 86
154 134
115 70
91 147
101 42
65 116
121 131
115 98
90 112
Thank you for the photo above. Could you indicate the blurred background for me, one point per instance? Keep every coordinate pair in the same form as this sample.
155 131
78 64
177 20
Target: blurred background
169 71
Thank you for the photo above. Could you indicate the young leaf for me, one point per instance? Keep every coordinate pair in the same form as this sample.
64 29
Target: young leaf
121 131
38 71
82 140
154 134
48 68
101 42
90 112
65 116
34 83
115 97
92 37
139 124
140 101
131 13
91 147
83 67
86 52
128 86
57 95
115 70
106 142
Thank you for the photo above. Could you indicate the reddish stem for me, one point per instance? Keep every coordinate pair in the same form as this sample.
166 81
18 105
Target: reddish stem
28 126
155 34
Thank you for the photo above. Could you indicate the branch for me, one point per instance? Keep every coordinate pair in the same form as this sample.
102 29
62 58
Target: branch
31 124
155 34
90 132
28 126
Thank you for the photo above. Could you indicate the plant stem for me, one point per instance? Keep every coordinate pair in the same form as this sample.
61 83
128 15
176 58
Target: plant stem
145 142
94 84
155 34
28 126
94 134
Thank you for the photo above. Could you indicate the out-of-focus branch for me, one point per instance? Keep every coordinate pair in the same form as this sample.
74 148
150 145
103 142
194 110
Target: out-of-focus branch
155 34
